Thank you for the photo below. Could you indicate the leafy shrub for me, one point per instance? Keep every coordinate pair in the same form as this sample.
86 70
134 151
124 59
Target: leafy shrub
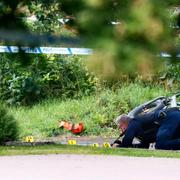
68 78
173 72
18 85
171 76
8 127
54 76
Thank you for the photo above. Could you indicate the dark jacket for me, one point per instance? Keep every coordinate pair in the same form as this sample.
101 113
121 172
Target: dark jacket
168 136
144 128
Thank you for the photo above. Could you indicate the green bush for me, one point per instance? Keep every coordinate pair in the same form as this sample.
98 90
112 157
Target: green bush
171 76
8 126
54 76
18 84
67 78
173 72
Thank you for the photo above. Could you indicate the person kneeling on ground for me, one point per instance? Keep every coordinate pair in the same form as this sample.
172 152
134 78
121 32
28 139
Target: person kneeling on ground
161 126
168 135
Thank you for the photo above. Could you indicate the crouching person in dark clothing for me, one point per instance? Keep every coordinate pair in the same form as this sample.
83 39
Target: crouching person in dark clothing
168 136
144 128
161 126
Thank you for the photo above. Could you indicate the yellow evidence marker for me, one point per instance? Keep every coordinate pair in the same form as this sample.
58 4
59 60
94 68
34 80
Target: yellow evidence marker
106 145
95 145
29 139
71 142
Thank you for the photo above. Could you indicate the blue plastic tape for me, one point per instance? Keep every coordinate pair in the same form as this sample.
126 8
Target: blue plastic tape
46 50
58 50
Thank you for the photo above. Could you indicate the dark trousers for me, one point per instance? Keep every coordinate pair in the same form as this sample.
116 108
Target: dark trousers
168 136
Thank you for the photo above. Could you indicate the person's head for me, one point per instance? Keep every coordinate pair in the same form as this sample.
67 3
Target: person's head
122 122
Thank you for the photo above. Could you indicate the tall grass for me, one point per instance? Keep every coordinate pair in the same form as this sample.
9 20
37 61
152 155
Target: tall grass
96 111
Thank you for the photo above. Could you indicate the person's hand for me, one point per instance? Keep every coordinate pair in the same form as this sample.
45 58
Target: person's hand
146 110
115 145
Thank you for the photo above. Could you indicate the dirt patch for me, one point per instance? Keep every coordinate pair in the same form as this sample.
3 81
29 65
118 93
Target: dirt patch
80 140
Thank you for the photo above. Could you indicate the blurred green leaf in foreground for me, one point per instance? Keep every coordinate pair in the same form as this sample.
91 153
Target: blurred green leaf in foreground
127 35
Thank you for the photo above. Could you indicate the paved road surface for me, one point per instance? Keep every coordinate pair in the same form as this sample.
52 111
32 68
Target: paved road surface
87 167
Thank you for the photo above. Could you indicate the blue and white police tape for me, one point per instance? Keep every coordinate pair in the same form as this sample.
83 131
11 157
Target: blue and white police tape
58 50
46 50
166 55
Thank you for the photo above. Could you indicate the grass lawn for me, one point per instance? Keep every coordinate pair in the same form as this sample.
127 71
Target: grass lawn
96 112
75 149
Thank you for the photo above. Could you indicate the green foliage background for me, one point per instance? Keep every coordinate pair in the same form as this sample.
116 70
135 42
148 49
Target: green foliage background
97 111
129 48
143 28
46 77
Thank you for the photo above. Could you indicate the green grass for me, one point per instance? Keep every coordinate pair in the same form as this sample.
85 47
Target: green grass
65 149
96 111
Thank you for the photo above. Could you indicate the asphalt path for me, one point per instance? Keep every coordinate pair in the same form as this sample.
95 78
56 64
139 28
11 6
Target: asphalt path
87 167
